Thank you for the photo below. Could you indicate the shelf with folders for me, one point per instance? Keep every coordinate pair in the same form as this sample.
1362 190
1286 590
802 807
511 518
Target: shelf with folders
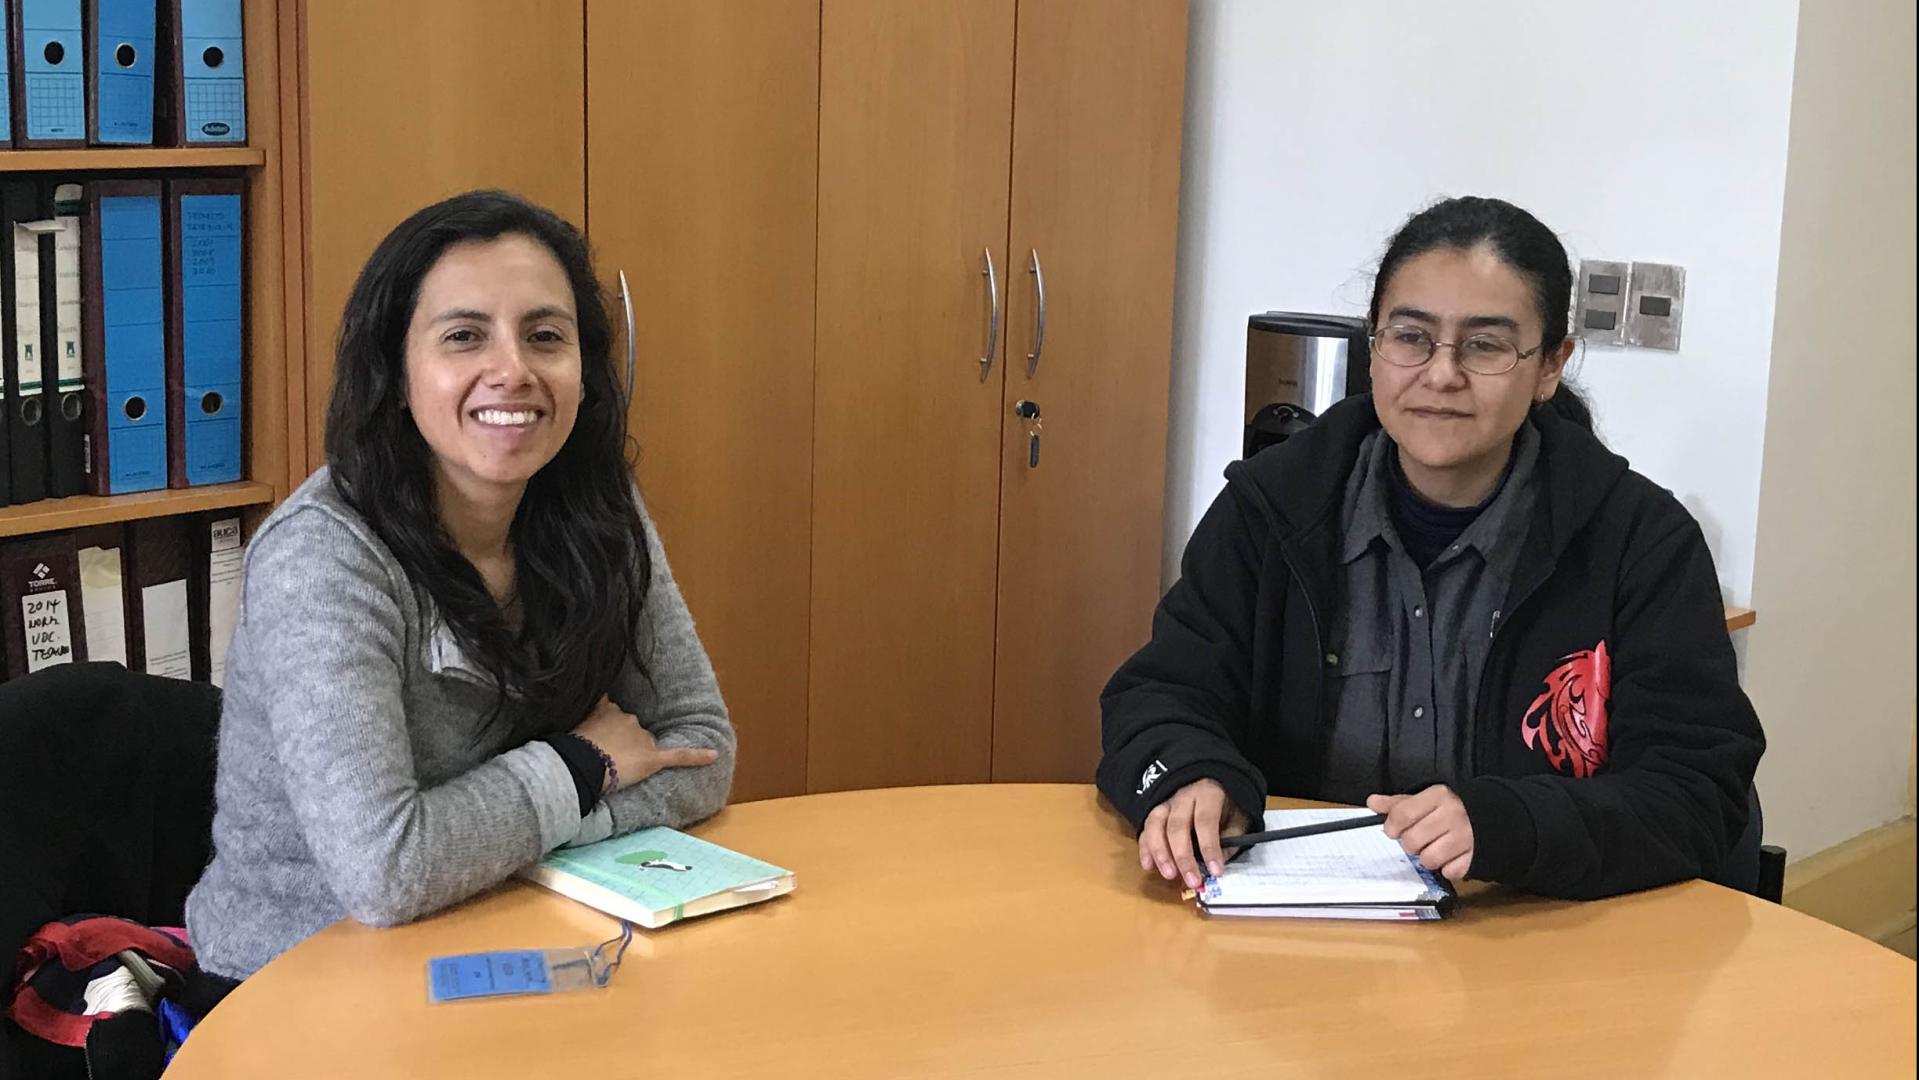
124 336
158 595
272 382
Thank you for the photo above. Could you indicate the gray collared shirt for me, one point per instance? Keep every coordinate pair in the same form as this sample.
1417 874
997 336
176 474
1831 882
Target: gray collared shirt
1407 647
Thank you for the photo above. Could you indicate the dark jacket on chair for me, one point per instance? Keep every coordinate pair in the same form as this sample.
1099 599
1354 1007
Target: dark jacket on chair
1614 749
106 799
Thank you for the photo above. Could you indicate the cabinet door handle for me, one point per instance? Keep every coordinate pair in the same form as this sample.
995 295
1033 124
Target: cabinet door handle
626 302
992 318
1039 314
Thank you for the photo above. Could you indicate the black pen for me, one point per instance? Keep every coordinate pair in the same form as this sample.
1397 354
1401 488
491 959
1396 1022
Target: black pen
1249 839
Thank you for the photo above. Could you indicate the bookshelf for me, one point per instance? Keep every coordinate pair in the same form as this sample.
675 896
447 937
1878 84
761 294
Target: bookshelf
275 402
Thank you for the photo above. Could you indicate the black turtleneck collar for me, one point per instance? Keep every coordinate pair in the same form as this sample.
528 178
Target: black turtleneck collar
1425 527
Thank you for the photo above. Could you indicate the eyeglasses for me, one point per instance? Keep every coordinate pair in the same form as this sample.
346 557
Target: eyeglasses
1481 354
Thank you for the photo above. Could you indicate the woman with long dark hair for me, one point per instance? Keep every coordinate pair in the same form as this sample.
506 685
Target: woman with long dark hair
459 645
1449 601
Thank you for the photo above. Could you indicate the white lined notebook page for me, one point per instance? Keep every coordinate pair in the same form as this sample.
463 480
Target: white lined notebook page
1356 866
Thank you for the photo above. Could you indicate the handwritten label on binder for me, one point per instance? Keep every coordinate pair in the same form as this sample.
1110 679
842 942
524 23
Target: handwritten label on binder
210 229
49 641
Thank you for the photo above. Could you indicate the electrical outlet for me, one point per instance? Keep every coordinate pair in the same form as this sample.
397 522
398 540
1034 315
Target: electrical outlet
1599 311
1654 304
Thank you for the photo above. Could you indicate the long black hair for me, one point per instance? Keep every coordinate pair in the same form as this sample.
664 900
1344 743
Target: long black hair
1522 242
579 549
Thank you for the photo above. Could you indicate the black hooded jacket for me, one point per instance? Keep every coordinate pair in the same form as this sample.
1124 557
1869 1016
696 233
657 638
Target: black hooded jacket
1614 747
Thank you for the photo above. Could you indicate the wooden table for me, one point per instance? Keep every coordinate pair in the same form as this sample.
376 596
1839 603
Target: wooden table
1008 931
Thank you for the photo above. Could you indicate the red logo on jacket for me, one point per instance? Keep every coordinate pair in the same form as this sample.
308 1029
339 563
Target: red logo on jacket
1569 719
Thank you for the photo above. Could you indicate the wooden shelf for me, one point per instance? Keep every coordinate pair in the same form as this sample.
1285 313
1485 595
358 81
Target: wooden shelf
1738 618
49 515
133 158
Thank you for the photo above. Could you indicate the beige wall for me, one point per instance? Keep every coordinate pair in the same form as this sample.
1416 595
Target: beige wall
1831 662
1912 768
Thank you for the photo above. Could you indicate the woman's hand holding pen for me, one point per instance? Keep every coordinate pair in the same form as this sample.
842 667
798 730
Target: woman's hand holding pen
1201 811
1431 825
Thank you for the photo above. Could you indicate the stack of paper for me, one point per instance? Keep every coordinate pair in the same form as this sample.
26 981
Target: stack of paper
1354 874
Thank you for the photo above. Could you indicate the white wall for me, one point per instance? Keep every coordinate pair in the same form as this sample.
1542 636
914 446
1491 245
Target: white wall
1642 129
1831 661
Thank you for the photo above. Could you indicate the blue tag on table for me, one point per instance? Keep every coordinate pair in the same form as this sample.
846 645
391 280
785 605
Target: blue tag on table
490 974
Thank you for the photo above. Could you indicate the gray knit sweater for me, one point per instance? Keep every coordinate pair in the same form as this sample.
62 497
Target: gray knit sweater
358 775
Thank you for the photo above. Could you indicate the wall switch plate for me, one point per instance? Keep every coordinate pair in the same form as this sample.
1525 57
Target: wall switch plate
1599 309
1654 303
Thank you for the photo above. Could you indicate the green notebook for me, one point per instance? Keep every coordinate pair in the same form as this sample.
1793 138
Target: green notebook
657 876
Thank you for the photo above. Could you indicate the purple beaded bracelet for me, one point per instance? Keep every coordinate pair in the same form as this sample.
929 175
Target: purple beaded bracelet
612 774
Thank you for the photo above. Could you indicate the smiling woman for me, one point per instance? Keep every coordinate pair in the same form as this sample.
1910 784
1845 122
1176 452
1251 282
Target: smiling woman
493 382
493 366
1448 600
459 644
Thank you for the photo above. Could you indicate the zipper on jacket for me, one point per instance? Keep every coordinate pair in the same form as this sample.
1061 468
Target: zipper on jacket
1319 639
1492 654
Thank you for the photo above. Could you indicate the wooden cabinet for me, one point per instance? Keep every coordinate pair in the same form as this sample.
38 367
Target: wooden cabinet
1095 198
804 196
916 127
969 603
403 104
701 187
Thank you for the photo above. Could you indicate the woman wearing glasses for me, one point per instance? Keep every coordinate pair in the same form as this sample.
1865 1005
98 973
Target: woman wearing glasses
1449 601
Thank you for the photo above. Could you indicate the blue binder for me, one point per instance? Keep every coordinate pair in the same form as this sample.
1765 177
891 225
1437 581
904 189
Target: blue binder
54 84
6 86
206 280
210 104
126 349
120 52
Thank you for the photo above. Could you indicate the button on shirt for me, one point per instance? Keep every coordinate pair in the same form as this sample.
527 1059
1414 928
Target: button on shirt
1408 646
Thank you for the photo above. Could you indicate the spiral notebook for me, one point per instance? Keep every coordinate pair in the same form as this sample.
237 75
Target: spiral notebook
1354 874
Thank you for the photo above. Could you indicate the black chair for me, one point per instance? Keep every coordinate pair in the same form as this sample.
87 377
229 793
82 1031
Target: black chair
1772 873
106 806
1754 866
